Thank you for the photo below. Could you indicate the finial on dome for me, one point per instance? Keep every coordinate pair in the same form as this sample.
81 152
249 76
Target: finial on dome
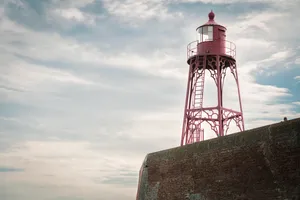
211 15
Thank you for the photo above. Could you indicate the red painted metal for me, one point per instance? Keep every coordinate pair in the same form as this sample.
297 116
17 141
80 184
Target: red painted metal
211 52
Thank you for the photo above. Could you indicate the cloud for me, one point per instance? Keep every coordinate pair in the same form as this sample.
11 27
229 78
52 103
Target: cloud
84 99
35 75
71 3
297 103
75 14
67 165
134 11
237 1
55 48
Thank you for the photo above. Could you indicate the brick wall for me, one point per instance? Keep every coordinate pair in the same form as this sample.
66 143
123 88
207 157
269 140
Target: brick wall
258 164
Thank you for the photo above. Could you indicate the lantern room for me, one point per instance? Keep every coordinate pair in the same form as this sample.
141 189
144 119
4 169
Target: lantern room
211 37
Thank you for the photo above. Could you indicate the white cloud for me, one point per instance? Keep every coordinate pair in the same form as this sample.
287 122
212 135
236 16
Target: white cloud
18 3
278 56
71 3
83 138
259 41
75 14
53 47
69 165
26 76
297 103
25 83
264 66
132 11
259 20
276 2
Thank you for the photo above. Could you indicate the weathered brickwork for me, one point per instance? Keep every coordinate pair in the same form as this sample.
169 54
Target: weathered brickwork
258 164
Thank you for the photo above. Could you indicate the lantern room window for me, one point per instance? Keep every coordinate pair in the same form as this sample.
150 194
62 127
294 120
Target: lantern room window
200 35
205 33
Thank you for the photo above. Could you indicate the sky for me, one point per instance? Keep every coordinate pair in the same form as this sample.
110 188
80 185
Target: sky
89 87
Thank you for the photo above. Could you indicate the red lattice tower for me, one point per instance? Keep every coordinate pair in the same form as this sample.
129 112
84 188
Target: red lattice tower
212 53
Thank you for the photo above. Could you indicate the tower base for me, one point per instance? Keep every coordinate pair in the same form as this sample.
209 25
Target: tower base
218 117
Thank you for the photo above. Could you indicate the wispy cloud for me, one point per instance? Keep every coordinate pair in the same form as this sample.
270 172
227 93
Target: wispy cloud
297 103
89 87
136 11
76 15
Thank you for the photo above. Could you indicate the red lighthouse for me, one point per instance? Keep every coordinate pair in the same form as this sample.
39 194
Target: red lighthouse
213 54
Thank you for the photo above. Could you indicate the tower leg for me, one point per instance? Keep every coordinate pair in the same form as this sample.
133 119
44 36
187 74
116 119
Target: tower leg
240 121
220 97
185 124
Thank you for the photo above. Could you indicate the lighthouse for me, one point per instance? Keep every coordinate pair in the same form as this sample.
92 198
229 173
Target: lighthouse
210 53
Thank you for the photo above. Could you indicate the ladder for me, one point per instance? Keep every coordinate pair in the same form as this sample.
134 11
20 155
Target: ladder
198 103
199 135
199 87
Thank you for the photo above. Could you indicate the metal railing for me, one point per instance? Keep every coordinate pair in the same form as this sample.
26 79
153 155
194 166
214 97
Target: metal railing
192 49
230 48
